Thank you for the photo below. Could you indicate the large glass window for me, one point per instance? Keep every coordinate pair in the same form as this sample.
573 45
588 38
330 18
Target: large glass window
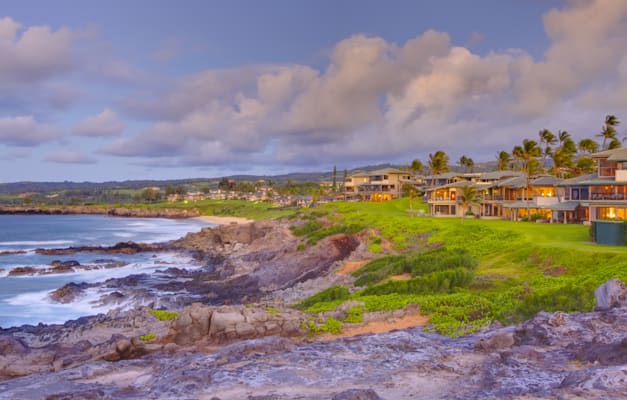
613 213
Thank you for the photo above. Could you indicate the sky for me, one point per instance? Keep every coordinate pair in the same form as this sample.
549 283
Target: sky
155 89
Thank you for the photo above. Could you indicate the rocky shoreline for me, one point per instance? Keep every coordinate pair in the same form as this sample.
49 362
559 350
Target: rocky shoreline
235 336
174 213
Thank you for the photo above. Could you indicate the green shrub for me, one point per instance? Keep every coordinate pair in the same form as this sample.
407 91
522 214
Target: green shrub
300 247
273 310
164 315
330 294
330 325
148 337
354 315
306 229
435 282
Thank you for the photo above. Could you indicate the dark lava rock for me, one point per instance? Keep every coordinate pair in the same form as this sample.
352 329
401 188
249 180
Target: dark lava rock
357 394
69 292
21 271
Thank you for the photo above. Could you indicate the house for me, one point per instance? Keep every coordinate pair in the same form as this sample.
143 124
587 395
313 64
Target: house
608 189
380 185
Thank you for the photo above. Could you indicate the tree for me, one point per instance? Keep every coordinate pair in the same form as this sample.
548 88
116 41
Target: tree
438 162
409 190
416 166
547 138
528 155
608 131
614 144
334 178
584 165
588 146
502 160
468 199
467 163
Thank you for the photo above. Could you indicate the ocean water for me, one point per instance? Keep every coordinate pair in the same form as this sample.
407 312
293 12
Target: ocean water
25 299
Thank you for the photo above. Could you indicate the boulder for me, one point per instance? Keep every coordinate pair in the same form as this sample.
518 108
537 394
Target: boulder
612 293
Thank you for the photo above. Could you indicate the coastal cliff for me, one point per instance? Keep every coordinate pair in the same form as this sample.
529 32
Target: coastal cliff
235 336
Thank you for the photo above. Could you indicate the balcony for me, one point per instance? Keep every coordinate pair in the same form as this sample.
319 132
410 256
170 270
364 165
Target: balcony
608 196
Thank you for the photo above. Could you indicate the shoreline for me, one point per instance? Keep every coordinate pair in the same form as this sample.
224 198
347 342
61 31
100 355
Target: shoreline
214 219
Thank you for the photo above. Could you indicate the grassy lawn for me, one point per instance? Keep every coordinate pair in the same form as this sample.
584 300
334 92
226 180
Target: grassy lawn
520 267
230 208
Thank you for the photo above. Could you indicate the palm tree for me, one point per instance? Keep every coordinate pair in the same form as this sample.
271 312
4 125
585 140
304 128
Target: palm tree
466 162
547 138
502 160
438 163
468 199
528 155
608 131
588 146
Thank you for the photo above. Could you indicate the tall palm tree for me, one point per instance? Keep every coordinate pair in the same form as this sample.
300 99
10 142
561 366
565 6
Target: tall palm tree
608 131
547 138
528 155
438 162
467 162
468 199
502 160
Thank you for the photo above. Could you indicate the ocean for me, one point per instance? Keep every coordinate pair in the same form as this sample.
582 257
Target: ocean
25 299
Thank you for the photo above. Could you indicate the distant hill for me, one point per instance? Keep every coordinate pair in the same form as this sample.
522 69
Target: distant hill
44 187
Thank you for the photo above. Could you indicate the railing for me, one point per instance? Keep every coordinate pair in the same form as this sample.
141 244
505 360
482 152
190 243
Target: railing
441 198
608 196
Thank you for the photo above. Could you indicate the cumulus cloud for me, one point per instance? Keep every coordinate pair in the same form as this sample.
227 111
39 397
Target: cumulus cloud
378 100
33 53
25 131
106 123
70 157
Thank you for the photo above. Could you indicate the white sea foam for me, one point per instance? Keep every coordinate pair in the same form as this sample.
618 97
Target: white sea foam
38 243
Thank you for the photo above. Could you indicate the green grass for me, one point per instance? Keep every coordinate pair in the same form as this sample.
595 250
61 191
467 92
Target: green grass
519 268
164 315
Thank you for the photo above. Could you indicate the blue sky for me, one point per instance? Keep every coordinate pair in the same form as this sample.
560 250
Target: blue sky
162 89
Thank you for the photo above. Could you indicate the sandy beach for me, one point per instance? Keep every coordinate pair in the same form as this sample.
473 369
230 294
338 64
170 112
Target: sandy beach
224 220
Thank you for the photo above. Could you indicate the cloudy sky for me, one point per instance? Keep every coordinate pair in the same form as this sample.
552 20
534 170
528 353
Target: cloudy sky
164 89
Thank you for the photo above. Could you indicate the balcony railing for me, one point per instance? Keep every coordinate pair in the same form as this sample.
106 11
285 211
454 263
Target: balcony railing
608 196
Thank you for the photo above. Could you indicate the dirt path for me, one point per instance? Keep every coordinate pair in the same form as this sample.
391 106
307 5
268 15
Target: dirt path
408 321
351 266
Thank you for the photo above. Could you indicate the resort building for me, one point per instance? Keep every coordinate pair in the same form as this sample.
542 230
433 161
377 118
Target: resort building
380 185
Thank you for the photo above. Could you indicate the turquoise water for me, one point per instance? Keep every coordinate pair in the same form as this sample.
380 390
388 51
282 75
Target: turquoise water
25 300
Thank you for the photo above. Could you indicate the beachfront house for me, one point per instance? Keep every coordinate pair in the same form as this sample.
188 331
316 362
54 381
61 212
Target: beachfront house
380 185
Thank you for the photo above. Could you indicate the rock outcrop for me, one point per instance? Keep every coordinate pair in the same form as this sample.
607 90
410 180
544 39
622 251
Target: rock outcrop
612 293
200 323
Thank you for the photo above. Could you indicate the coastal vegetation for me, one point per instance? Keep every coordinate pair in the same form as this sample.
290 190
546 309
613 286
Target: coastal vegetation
469 275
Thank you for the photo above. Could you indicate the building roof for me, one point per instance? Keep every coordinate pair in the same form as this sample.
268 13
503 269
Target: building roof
388 171
564 206
445 175
517 182
578 180
546 180
495 175
619 154
520 204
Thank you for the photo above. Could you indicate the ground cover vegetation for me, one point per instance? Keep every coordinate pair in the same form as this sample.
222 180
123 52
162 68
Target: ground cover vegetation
469 275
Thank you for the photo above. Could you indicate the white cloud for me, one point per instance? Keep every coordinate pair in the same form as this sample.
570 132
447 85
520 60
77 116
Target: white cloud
106 123
25 131
377 100
70 157
34 53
